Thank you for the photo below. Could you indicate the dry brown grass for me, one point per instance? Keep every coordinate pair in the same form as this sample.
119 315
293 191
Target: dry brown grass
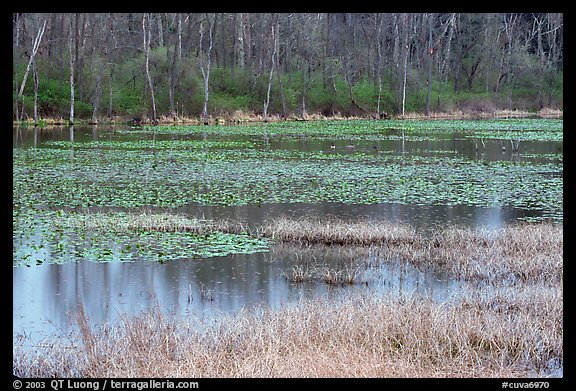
493 113
347 275
522 251
310 230
525 252
357 337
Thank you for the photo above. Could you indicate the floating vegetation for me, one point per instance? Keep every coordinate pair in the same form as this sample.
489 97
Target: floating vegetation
58 236
114 178
356 127
522 135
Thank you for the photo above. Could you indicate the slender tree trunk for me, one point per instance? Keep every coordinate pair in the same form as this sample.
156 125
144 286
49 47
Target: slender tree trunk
172 81
405 69
241 55
430 57
81 36
16 93
72 60
160 31
267 102
35 47
110 90
247 40
379 62
206 72
97 95
35 76
16 44
179 30
147 35
281 89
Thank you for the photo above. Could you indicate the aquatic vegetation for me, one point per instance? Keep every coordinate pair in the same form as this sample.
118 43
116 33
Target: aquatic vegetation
128 179
347 275
58 236
355 127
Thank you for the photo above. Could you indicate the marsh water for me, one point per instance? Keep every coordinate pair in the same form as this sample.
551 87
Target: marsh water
47 295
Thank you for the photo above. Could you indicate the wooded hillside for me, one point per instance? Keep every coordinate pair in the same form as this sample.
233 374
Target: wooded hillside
93 66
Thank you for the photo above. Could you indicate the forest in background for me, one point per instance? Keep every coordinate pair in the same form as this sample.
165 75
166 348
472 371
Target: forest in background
94 67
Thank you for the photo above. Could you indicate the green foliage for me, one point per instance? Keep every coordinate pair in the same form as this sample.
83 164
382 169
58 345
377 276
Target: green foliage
130 102
240 90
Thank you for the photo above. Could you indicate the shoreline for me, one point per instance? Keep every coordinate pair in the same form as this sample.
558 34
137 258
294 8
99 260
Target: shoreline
238 118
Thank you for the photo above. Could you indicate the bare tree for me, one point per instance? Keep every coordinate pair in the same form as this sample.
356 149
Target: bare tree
273 62
98 91
35 77
35 47
71 60
206 71
430 57
406 51
146 33
278 75
172 72
379 21
110 89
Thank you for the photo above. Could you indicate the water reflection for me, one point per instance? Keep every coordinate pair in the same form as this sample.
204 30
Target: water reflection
46 297
419 216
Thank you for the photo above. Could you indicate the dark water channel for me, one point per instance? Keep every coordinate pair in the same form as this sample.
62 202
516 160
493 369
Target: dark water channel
46 297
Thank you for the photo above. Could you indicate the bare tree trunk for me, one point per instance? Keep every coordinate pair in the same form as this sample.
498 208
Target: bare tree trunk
16 44
160 31
305 85
405 69
80 49
281 89
179 36
97 94
35 47
247 39
172 81
110 90
430 57
267 102
206 72
72 60
240 41
147 35
379 63
35 76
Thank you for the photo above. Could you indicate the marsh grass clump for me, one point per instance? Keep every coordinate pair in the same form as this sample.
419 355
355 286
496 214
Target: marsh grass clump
522 251
347 275
301 273
333 231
